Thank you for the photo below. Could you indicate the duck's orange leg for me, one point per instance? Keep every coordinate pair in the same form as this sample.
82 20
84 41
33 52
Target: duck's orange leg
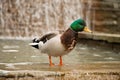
61 62
50 61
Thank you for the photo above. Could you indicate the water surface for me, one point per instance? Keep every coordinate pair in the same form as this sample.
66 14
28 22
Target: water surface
17 54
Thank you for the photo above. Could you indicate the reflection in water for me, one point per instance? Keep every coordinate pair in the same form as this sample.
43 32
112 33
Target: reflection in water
18 53
10 50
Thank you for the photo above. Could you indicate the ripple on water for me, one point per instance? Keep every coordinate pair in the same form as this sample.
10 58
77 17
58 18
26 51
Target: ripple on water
34 56
11 50
109 58
82 48
10 66
96 55
13 65
10 46
107 52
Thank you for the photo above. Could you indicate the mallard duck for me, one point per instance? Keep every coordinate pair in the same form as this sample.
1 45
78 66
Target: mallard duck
58 45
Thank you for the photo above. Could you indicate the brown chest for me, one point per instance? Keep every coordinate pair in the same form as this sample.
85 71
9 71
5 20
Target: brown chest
68 39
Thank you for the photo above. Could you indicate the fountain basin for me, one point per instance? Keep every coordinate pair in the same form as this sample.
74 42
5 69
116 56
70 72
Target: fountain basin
90 59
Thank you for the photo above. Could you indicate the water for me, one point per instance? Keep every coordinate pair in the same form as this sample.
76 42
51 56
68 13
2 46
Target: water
17 54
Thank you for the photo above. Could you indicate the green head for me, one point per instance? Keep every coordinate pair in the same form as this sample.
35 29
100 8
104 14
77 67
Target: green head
78 25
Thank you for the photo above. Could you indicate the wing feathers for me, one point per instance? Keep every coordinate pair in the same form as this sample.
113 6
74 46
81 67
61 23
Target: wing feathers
46 37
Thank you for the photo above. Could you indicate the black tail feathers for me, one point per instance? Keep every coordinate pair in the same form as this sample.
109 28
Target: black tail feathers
35 40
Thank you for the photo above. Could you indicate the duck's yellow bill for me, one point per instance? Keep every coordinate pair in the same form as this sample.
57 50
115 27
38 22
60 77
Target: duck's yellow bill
87 30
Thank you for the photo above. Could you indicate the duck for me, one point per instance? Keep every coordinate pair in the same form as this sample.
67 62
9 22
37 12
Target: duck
58 45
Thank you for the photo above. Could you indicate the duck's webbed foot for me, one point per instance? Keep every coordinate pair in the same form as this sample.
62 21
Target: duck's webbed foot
50 61
61 62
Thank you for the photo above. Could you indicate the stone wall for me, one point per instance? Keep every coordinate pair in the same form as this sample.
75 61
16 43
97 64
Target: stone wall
27 18
104 16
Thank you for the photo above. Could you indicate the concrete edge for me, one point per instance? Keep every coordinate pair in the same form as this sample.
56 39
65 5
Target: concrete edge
33 73
112 38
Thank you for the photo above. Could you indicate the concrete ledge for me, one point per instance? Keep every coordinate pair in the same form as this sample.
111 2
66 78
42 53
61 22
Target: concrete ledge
112 38
91 71
51 75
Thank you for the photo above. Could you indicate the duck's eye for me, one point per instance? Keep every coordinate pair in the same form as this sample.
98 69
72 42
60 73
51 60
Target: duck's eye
83 24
